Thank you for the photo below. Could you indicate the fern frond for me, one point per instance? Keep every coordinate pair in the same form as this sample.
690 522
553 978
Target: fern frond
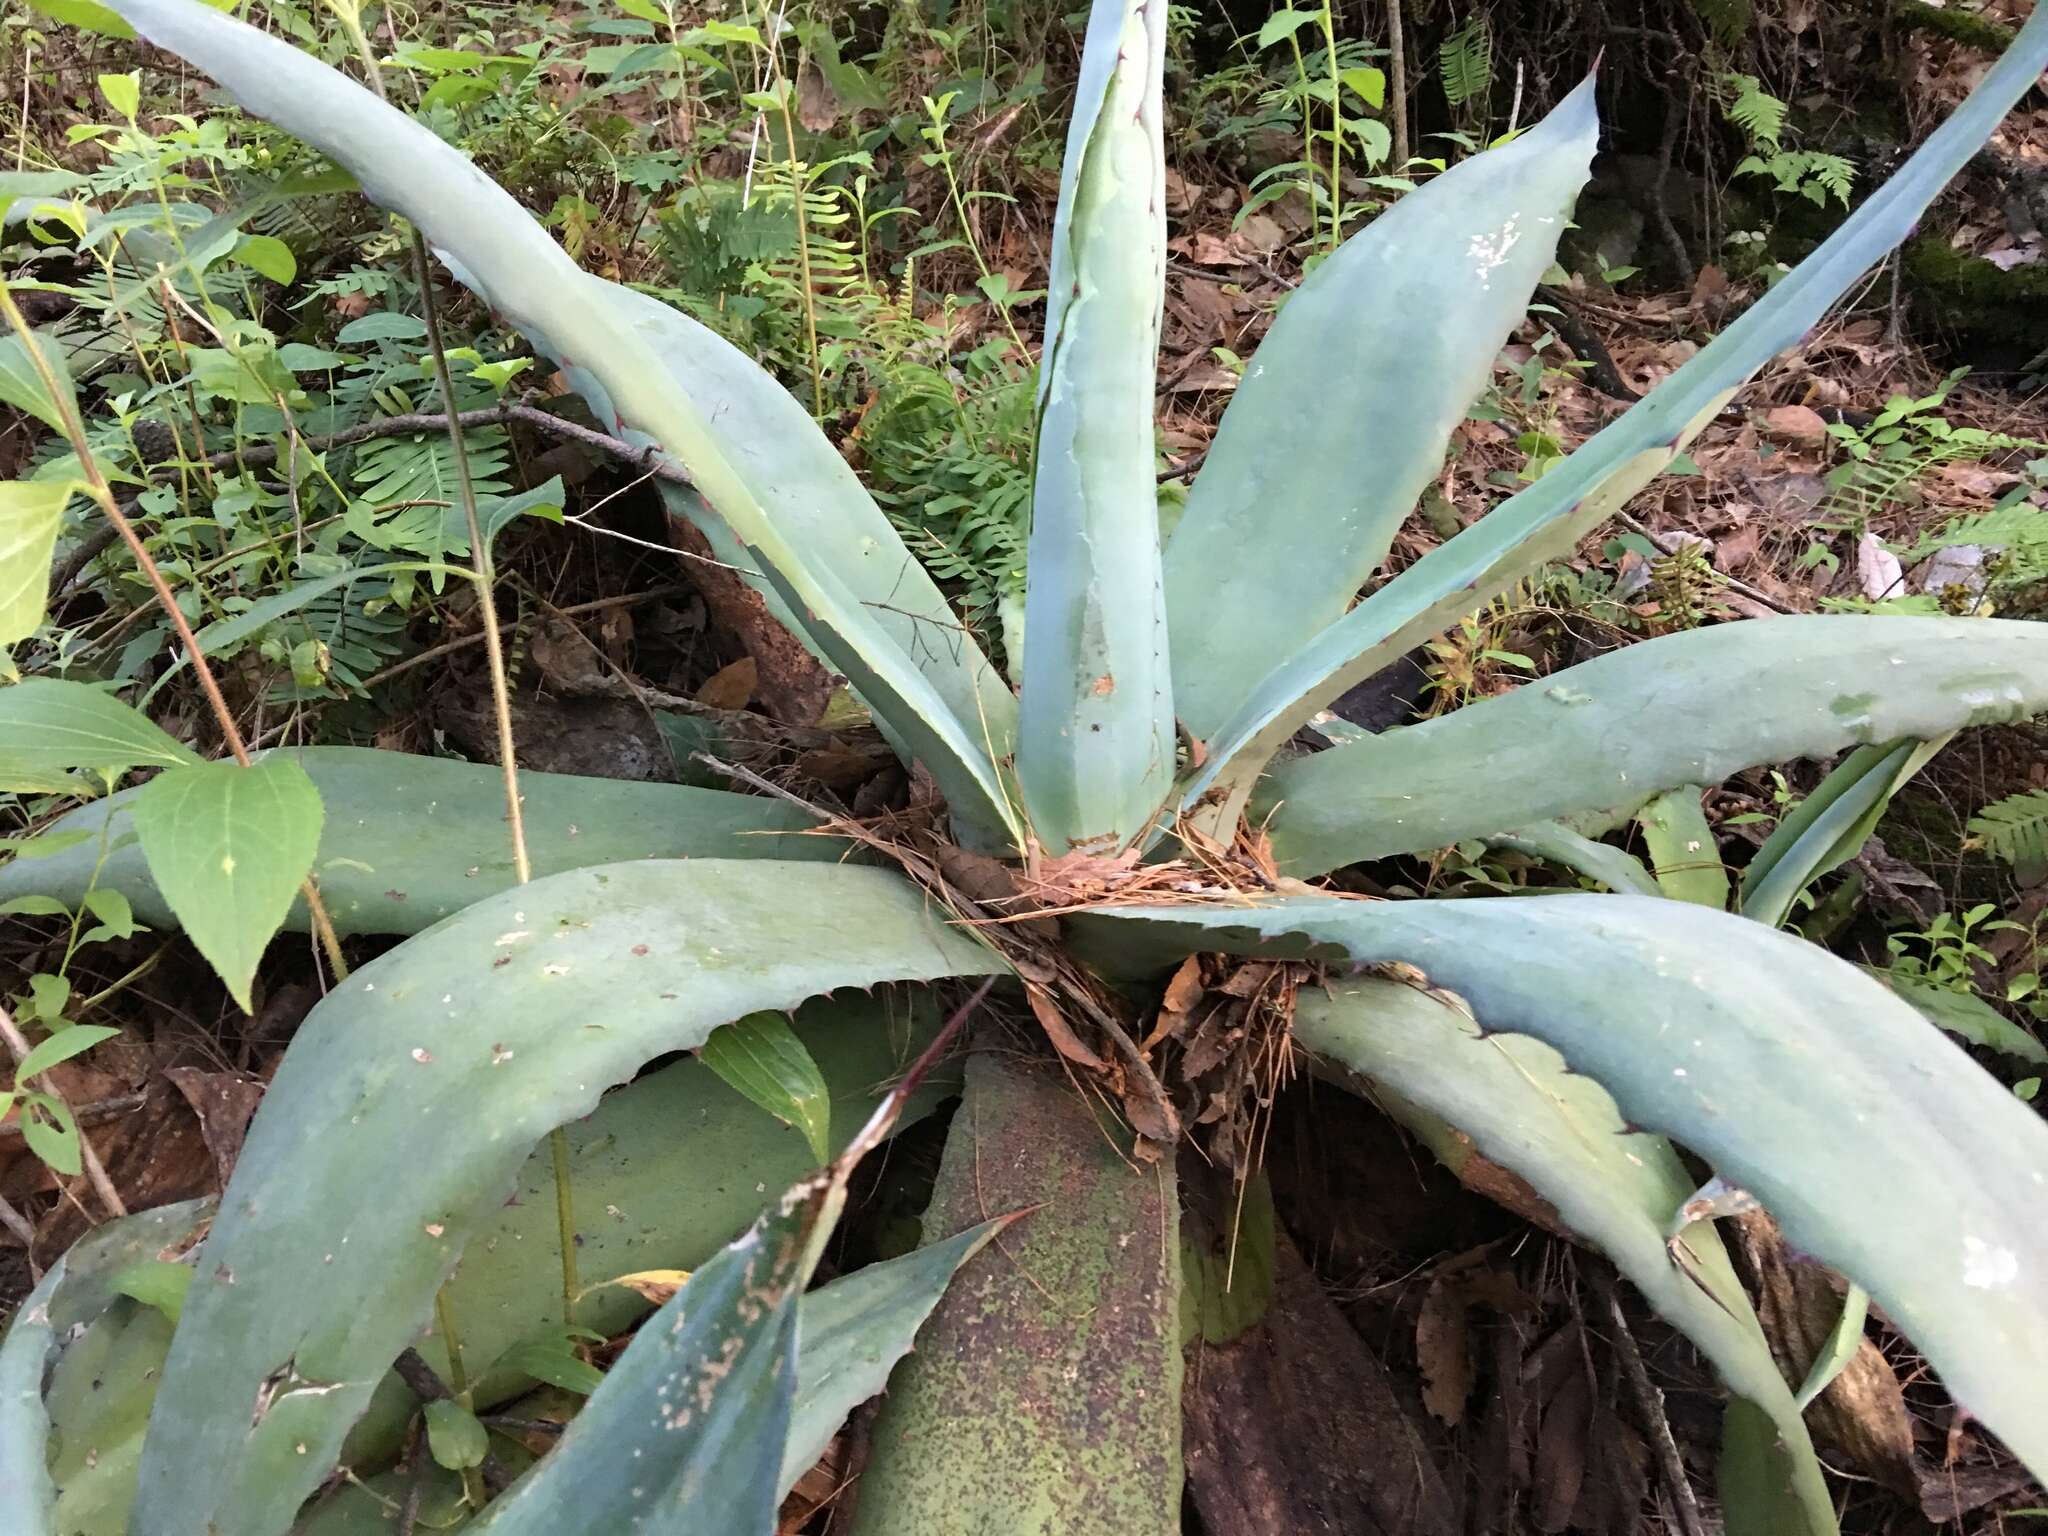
2019 526
1753 109
2015 829
1464 62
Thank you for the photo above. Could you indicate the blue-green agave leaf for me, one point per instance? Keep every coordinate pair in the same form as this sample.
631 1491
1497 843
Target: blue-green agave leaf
73 1292
1546 520
757 461
408 840
351 1202
1344 414
1881 1148
1615 1187
1095 749
1598 740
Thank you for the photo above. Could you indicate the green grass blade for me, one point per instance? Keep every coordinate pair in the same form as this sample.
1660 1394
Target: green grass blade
1613 867
1546 520
1826 829
1881 1148
1095 747
1344 414
1596 741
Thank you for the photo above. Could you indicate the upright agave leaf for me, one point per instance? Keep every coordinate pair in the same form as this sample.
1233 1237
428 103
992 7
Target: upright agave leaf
351 1203
1880 1147
1345 412
1598 740
811 533
1546 520
1095 750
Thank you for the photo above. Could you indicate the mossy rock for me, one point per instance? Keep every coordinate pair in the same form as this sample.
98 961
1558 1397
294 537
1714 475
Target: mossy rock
1999 318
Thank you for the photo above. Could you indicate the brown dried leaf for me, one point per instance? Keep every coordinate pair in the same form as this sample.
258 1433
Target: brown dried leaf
1047 1011
225 1102
655 1285
1800 425
1442 1347
731 687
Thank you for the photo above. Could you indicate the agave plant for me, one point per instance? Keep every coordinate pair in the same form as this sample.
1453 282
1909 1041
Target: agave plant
1566 1036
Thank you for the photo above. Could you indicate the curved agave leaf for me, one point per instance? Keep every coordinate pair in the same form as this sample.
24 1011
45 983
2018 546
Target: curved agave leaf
690 1427
1095 749
75 1290
853 1332
1880 1147
350 1204
1598 740
408 840
756 459
99 1396
637 1162
1344 414
1615 1187
665 1171
730 1392
1044 1395
1547 519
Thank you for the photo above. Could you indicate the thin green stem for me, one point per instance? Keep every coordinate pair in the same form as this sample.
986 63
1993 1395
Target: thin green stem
799 190
937 135
487 610
458 1382
565 1221
1336 125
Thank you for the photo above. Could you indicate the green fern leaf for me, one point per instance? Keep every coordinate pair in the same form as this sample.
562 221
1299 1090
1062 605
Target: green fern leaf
1754 110
1465 62
2015 829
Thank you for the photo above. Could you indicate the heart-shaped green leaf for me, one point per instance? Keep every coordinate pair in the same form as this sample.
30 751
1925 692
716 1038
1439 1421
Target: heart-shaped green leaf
229 847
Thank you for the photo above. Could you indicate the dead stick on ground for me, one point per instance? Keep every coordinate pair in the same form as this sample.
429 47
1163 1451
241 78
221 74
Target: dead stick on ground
16 1223
1669 543
1650 1403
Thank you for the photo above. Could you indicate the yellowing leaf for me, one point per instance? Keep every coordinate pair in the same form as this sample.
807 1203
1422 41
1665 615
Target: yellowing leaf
655 1285
123 92
31 511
